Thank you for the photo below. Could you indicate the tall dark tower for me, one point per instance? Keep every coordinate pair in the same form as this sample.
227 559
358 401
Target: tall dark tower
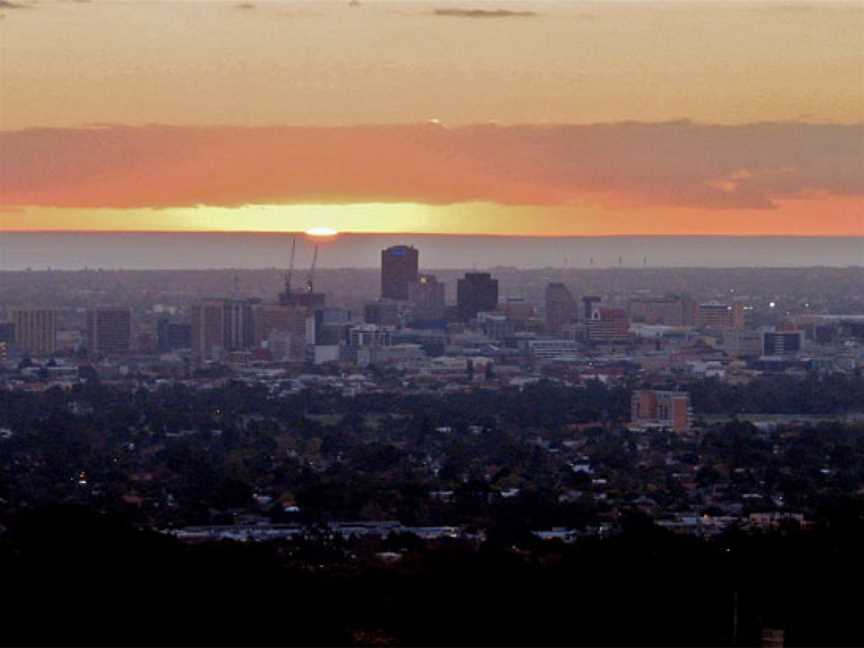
560 307
399 271
476 292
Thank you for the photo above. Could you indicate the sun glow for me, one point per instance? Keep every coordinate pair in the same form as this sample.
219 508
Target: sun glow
321 231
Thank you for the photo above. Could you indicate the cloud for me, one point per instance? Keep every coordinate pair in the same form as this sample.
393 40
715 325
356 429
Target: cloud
672 164
483 13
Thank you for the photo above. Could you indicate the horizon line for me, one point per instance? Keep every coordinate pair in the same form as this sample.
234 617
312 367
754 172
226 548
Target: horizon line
435 234
440 269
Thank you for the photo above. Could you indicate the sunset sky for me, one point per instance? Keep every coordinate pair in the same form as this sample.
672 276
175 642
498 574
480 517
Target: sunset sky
531 118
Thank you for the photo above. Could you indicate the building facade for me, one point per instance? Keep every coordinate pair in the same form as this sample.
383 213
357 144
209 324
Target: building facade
427 297
172 336
590 303
651 408
35 330
109 331
782 343
720 316
220 325
282 328
608 325
560 307
669 311
476 292
399 271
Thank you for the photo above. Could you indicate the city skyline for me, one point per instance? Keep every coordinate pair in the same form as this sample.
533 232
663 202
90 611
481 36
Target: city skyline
393 322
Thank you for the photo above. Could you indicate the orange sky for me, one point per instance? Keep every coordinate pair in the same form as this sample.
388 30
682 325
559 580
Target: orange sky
263 115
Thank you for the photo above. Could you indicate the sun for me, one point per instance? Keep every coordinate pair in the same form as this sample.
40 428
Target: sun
321 231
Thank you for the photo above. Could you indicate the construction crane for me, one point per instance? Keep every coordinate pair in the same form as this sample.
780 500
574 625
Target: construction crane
310 282
290 272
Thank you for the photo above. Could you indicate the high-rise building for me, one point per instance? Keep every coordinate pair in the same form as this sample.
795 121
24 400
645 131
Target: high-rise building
239 325
284 324
35 330
208 328
663 409
427 297
560 307
476 292
220 325
109 330
399 271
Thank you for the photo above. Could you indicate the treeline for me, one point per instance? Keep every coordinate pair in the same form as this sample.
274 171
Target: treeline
77 578
814 394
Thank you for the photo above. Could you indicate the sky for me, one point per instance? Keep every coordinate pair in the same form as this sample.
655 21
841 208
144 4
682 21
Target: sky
476 117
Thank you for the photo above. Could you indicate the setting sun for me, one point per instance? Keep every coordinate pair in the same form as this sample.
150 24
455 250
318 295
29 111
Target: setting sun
321 231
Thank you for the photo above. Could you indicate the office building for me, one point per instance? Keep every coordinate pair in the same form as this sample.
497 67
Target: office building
427 297
782 343
331 325
743 343
476 292
208 328
553 349
495 325
650 408
608 325
7 333
220 325
172 336
109 331
560 307
590 303
363 335
720 316
35 330
669 311
399 271
282 329
401 356
239 326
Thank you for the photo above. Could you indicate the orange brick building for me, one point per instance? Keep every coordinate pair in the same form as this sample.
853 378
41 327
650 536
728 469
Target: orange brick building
661 409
